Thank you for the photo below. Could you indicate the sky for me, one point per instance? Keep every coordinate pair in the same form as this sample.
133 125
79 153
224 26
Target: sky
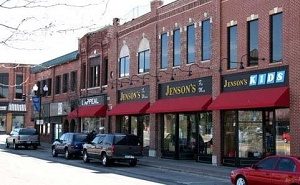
45 33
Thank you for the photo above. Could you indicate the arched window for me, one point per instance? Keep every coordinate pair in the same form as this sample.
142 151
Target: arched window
144 56
124 61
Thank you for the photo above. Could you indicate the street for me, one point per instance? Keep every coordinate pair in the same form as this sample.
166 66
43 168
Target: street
30 167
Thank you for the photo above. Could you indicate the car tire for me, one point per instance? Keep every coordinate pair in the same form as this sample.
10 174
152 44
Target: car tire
54 154
85 157
133 162
105 160
67 154
15 146
241 181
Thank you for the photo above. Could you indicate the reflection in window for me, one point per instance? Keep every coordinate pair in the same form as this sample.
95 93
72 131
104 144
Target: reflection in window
124 66
276 37
19 87
232 47
283 137
18 122
176 47
4 87
190 44
206 40
164 51
253 43
229 133
169 132
144 61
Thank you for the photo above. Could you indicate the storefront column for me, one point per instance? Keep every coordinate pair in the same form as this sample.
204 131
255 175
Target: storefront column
217 137
154 136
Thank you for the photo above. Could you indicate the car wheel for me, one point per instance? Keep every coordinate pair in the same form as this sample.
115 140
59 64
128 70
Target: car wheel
241 181
54 154
67 154
105 161
133 162
85 157
15 146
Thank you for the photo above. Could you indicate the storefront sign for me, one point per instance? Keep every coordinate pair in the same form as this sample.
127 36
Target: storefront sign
93 100
273 77
14 107
202 86
134 94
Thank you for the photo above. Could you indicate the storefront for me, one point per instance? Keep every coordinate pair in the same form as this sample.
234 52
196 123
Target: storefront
131 113
255 115
91 111
186 125
58 113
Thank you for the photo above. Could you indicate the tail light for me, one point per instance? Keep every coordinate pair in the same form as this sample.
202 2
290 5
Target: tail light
113 149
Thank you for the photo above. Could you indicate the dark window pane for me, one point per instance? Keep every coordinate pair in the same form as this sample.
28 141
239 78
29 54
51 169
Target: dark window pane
176 48
253 43
232 47
120 140
190 44
164 51
276 38
206 43
19 87
267 164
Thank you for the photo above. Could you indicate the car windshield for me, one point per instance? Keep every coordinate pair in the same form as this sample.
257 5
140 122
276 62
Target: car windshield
80 137
27 131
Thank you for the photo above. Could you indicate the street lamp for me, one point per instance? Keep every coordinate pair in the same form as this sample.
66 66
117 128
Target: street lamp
37 101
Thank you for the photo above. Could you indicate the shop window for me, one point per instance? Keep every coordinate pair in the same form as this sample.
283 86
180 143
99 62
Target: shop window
205 133
169 133
48 128
17 122
283 137
229 136
191 44
91 124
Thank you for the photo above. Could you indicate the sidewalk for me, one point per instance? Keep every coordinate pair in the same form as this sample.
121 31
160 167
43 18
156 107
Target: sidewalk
187 166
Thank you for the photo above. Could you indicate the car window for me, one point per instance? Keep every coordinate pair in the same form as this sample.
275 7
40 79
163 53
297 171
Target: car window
133 140
267 164
286 164
62 137
80 137
101 139
28 132
120 140
96 139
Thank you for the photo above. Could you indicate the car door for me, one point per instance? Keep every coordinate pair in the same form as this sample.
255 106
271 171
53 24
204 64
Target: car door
59 145
13 134
284 172
99 146
90 147
261 173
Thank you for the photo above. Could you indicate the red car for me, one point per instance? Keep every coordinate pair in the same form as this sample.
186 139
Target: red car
275 170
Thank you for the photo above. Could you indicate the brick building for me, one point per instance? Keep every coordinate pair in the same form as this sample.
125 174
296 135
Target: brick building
209 80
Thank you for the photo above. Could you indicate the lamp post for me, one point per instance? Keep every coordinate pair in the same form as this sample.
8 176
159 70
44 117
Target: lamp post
37 101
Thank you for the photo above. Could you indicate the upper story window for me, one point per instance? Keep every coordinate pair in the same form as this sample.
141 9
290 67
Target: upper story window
83 81
124 62
144 56
49 85
206 40
176 47
253 43
124 66
73 85
4 85
65 82
191 44
94 72
164 51
232 47
19 87
144 61
276 38
57 84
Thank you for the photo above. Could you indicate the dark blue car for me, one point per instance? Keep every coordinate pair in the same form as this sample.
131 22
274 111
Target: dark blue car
69 144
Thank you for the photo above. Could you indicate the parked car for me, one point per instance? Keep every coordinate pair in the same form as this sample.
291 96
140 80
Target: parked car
27 137
277 169
109 148
69 144
286 137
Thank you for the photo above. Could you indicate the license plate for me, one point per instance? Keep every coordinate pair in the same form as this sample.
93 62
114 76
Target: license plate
129 157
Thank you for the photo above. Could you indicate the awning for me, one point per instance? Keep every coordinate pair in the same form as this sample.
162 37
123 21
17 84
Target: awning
184 104
271 97
89 111
131 108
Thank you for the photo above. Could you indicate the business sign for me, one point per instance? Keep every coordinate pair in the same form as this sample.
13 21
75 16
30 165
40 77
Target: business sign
193 87
267 78
134 94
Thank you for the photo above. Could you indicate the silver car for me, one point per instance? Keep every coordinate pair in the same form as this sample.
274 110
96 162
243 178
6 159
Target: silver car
27 137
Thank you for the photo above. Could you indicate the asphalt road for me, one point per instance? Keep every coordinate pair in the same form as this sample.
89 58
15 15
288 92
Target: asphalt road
31 167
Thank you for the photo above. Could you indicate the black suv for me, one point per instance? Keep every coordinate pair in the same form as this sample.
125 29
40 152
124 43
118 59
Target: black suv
113 147
69 144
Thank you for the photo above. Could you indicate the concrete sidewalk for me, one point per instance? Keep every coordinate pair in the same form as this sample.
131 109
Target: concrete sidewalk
187 166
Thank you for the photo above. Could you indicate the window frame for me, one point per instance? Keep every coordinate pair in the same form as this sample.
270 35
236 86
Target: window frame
252 42
144 61
176 48
273 38
124 63
232 52
164 51
206 40
191 44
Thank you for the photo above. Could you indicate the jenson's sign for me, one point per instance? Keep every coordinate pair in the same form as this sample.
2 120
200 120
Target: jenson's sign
134 94
274 77
199 86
